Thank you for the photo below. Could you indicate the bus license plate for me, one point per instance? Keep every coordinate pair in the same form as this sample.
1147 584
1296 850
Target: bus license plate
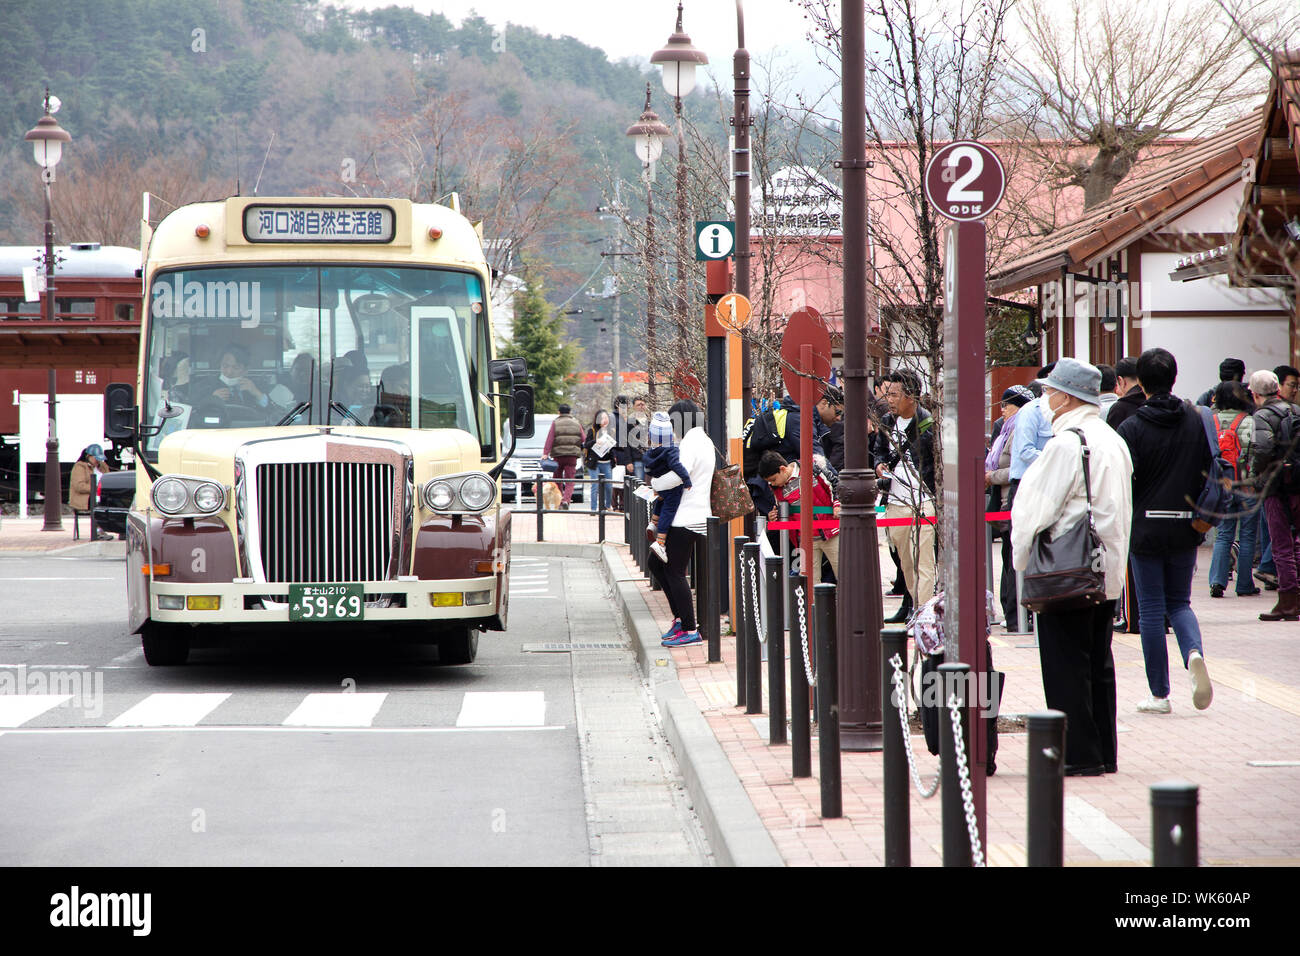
326 602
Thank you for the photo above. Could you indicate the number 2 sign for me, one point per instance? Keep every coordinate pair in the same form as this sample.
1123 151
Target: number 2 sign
965 181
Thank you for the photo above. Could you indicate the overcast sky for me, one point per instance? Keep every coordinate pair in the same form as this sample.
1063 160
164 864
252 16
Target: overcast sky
636 29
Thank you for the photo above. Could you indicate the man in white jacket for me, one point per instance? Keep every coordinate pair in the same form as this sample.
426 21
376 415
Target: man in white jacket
1074 646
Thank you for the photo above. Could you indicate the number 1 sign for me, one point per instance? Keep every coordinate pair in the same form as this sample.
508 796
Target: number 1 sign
965 181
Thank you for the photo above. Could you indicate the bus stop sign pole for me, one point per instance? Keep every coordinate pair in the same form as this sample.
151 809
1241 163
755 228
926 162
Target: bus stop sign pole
965 181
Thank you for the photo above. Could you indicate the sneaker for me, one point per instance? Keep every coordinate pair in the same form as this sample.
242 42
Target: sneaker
1216 590
1251 593
1268 578
682 639
1155 705
1202 689
659 552
672 631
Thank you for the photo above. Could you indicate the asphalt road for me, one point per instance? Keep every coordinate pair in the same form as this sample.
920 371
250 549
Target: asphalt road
311 748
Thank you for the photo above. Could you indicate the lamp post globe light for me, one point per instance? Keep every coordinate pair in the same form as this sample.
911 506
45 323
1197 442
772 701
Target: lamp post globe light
648 135
47 139
678 60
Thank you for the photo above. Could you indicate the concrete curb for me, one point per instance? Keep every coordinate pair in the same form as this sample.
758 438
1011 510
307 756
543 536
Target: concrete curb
92 549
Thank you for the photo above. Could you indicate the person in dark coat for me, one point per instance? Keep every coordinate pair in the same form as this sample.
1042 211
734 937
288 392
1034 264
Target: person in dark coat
771 429
1131 396
1230 370
830 416
1171 454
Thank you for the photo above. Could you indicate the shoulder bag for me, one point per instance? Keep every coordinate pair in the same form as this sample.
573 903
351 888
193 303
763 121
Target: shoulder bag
1067 572
729 496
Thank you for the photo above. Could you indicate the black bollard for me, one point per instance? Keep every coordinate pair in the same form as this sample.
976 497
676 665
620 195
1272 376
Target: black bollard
1174 837
739 613
1046 770
713 599
956 838
600 508
700 561
753 617
775 625
537 498
627 505
898 806
800 731
828 704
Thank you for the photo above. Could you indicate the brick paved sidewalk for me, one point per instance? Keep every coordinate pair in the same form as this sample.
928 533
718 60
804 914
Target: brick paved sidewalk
1249 815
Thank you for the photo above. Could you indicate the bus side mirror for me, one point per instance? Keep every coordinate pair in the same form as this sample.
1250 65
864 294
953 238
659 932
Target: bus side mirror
508 369
119 412
521 411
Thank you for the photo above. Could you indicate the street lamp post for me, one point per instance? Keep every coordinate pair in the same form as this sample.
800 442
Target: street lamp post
648 135
678 61
47 139
741 122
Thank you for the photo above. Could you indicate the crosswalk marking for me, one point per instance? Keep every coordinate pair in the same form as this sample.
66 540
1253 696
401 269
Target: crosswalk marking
169 710
17 709
502 709
336 710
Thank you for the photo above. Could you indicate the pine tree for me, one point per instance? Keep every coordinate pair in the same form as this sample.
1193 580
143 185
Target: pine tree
537 338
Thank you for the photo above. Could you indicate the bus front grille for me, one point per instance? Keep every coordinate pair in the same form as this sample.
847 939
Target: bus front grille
328 522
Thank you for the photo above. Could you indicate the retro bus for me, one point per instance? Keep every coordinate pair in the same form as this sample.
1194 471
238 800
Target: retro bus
316 420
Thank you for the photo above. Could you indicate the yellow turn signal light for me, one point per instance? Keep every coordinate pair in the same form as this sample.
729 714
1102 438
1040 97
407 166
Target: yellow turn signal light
203 602
447 599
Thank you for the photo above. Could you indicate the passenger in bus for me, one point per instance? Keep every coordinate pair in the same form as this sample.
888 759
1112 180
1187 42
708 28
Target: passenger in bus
176 377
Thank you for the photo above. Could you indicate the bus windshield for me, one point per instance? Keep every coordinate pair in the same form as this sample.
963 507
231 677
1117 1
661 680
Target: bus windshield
382 346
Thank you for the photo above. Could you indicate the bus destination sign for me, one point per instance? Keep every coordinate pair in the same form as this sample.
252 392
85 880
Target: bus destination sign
265 223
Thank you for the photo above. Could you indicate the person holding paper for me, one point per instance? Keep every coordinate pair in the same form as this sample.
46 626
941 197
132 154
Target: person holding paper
599 446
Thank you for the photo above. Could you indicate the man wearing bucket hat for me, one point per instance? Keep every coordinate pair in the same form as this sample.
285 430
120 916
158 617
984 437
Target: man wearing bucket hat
1074 646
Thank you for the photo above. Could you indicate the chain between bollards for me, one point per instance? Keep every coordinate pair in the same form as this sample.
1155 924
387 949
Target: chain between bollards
800 729
739 614
775 624
753 619
1045 841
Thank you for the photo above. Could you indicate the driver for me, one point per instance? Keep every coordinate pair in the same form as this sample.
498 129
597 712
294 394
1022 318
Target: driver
238 389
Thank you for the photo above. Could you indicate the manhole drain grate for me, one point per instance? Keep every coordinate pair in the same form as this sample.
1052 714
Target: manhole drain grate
562 648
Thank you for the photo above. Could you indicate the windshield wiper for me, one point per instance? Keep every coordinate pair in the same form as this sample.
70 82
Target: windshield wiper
343 410
293 413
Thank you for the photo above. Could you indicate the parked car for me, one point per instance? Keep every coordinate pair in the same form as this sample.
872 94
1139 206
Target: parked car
116 490
519 475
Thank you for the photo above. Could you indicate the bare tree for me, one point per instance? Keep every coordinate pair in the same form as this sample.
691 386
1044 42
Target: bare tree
1115 77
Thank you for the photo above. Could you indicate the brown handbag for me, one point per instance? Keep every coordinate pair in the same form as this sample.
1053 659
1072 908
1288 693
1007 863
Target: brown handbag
729 496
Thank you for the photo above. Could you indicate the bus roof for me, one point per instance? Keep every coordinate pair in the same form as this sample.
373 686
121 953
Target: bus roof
404 233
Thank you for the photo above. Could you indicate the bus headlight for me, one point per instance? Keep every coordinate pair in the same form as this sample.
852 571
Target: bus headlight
180 496
477 492
465 493
438 495
170 496
209 498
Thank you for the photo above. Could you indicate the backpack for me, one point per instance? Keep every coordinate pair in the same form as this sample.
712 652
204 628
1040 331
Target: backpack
1288 448
1215 498
1230 444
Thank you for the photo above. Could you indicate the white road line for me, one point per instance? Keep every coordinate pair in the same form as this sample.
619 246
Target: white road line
503 709
255 729
17 709
517 591
133 654
63 579
1096 831
169 710
336 710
